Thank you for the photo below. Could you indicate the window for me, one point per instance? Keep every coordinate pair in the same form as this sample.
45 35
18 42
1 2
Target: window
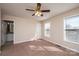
72 29
47 29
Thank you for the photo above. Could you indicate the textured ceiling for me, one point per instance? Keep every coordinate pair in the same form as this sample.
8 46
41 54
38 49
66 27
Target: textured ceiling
18 9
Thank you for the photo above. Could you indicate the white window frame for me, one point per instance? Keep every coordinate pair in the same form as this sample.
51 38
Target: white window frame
65 39
49 29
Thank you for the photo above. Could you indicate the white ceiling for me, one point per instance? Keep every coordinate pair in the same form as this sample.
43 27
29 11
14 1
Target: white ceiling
18 9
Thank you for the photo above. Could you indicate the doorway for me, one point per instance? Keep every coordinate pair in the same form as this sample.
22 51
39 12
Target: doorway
7 32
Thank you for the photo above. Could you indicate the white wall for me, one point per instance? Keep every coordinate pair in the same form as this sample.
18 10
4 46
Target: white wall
42 29
57 30
38 30
24 29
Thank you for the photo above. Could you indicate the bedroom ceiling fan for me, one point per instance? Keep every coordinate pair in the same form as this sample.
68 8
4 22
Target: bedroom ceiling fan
37 10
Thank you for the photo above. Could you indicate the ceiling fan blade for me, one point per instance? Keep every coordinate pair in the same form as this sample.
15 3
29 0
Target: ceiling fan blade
41 14
33 14
30 9
45 10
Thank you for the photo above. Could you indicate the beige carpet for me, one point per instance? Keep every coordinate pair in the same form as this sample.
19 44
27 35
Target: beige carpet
36 48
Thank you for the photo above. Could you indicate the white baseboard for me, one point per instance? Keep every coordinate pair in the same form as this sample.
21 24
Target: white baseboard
64 46
18 42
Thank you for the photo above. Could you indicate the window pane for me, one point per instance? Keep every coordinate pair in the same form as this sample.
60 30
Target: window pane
72 28
47 29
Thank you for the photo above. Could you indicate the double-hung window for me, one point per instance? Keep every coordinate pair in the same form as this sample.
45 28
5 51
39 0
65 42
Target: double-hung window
71 26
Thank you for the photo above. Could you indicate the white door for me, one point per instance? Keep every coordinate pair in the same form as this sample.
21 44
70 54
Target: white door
3 34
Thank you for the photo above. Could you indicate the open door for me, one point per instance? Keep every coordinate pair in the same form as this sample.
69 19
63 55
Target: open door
7 32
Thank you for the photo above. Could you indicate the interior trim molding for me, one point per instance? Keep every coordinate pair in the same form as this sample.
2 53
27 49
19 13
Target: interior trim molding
63 46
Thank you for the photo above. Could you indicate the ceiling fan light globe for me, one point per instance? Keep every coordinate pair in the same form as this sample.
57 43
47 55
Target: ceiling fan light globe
37 13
